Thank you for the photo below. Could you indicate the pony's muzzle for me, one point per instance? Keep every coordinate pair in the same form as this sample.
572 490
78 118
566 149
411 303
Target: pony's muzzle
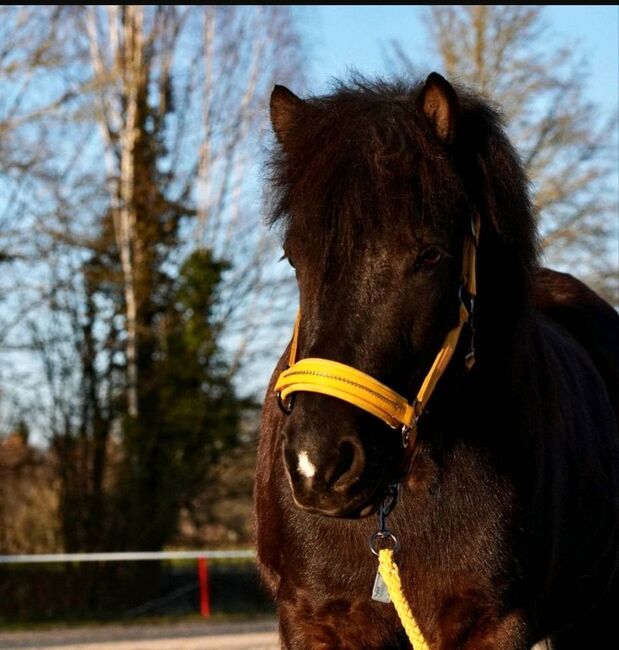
328 480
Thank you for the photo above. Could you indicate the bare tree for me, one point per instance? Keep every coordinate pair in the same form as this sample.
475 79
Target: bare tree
30 51
210 71
568 150
153 119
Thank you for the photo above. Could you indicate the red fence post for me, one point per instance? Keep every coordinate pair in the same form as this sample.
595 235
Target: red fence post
205 603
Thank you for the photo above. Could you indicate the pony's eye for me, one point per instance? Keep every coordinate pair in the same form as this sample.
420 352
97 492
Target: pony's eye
430 257
285 257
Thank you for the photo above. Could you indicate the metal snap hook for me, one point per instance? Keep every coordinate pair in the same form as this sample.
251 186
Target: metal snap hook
384 510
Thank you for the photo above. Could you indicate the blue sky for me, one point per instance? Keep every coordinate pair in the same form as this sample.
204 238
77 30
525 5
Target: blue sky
342 36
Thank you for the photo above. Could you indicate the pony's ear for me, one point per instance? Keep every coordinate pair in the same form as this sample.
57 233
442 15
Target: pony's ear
438 101
284 105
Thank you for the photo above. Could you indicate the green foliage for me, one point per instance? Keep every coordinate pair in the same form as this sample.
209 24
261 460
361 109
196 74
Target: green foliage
196 387
189 413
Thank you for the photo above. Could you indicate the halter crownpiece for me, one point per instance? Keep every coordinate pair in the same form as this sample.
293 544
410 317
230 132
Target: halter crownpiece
315 375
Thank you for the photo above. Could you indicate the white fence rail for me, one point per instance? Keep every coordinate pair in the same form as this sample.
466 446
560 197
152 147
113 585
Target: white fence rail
201 556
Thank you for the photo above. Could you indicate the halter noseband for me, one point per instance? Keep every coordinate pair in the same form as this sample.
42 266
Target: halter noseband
315 375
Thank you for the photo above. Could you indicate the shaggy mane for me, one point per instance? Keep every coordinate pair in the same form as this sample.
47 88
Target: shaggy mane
363 157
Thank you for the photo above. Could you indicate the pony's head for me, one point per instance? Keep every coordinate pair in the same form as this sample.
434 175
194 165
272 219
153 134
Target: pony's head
376 187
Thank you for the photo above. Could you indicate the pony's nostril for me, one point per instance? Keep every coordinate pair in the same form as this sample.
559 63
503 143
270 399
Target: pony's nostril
350 465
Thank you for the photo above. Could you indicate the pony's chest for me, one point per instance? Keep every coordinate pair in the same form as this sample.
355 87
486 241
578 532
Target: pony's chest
322 622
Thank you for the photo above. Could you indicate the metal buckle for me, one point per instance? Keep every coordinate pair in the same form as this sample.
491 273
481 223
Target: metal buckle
407 429
405 432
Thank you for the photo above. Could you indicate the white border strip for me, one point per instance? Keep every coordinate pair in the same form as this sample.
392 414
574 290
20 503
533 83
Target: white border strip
248 554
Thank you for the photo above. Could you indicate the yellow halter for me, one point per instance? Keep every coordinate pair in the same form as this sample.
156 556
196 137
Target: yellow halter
335 379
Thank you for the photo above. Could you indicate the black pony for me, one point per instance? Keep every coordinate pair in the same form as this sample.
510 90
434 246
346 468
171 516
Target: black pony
508 520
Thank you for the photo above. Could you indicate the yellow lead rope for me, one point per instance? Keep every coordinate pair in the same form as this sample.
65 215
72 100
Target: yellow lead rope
388 570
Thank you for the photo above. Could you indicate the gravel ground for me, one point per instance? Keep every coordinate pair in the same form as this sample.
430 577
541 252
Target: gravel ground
185 636
260 635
